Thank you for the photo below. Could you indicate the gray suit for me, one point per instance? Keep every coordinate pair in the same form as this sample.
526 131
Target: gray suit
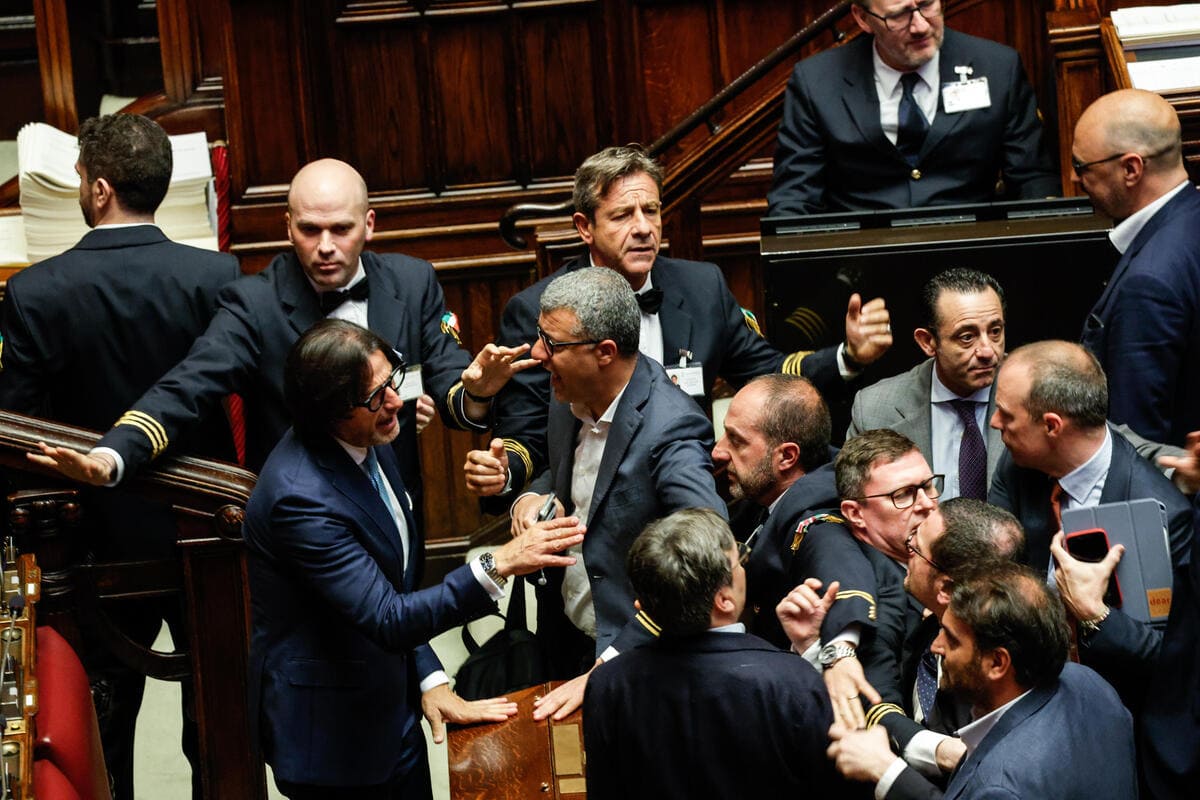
902 404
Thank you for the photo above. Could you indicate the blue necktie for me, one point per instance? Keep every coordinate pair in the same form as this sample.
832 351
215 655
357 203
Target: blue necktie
927 682
972 454
912 125
371 467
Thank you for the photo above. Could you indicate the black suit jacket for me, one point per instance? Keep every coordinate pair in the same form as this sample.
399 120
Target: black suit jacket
698 314
87 331
258 320
832 154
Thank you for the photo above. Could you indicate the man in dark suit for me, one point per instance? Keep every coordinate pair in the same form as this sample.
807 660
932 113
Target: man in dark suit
84 334
964 339
886 121
1051 399
259 317
339 649
653 718
1128 157
626 446
1003 645
690 321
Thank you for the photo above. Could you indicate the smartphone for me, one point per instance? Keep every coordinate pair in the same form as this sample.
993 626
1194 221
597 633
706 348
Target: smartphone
1092 545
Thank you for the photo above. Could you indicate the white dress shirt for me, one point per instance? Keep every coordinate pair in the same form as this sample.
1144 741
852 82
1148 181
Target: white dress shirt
1123 235
889 90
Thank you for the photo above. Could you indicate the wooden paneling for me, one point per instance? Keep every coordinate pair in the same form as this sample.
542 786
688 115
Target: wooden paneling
19 73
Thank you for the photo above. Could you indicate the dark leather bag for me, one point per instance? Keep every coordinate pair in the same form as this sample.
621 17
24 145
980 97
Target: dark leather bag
511 659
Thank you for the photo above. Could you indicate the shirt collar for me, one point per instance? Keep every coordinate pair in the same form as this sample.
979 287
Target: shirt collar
359 275
939 393
581 413
109 226
358 454
975 732
1123 235
733 627
1078 483
888 77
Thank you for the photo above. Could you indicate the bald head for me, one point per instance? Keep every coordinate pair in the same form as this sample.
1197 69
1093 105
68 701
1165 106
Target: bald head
329 221
1064 379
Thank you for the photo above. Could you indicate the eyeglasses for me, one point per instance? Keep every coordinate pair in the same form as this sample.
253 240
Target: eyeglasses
899 20
552 346
912 548
743 549
1081 167
905 496
374 400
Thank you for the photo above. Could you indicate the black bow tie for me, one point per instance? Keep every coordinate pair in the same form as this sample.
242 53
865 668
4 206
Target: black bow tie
332 300
650 301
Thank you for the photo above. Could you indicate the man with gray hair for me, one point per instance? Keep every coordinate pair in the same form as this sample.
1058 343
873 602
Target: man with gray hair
1128 157
625 446
704 674
689 320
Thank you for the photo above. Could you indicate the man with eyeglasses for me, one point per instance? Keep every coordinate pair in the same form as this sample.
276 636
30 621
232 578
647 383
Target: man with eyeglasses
1128 157
707 710
908 114
339 641
625 446
1051 401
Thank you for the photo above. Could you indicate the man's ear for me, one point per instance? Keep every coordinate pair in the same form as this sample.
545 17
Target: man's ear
102 191
861 18
996 663
723 601
1053 424
584 226
943 586
606 352
786 456
369 224
925 338
852 512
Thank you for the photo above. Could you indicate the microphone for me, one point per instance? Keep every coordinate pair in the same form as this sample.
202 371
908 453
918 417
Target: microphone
545 513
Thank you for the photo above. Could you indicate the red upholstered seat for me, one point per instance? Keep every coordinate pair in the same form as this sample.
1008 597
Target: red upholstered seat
67 732
49 781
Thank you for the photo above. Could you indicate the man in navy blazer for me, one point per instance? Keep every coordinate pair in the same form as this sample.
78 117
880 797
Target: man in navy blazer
1050 404
1042 727
707 710
690 321
846 142
626 446
83 335
339 654
1128 157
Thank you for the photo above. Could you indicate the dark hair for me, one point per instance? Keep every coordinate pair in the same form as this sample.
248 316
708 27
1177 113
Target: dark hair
794 411
677 565
852 467
132 153
976 535
958 281
326 374
1065 379
1010 606
602 170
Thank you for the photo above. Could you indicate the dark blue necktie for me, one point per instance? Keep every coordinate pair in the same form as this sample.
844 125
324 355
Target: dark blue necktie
972 454
927 682
912 127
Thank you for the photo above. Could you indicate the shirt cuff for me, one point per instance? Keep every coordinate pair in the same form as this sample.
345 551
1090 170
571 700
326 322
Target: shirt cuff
494 590
851 634
921 753
434 680
517 500
843 370
609 653
810 655
889 777
119 472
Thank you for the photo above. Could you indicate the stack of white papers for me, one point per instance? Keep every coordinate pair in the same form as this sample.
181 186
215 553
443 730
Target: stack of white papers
1149 25
50 192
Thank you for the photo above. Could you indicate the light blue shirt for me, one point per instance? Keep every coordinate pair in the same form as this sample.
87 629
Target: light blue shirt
946 431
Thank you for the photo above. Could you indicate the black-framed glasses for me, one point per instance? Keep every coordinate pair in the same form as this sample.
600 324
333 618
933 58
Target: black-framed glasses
552 346
911 547
394 381
1081 167
905 496
899 20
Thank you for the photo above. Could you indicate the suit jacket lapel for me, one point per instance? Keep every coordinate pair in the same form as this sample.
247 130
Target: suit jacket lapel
1120 470
385 310
562 427
296 295
1025 708
625 424
1144 235
913 407
995 446
676 323
862 100
391 471
378 528
943 123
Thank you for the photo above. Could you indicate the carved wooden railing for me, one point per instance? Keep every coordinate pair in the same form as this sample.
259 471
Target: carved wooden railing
702 167
207 500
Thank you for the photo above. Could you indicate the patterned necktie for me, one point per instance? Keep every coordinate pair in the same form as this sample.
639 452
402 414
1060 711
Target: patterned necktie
972 454
912 125
927 682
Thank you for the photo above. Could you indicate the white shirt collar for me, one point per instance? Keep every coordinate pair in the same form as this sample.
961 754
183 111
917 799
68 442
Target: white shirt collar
975 732
359 275
939 393
583 415
1123 235
358 454
1078 483
888 77
733 627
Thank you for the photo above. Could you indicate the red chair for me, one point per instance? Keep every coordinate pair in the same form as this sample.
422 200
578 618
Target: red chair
48 781
68 736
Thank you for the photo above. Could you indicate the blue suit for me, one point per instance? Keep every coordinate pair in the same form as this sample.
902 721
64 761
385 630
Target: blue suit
832 154
698 314
1144 329
340 633
656 461
1070 740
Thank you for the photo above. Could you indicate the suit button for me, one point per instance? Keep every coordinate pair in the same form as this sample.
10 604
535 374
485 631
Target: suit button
915 174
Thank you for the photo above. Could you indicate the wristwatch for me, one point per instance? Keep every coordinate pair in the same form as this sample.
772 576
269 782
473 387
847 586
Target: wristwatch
832 653
488 562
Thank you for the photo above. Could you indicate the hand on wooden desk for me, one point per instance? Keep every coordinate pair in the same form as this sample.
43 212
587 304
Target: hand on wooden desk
440 705
564 699
96 470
